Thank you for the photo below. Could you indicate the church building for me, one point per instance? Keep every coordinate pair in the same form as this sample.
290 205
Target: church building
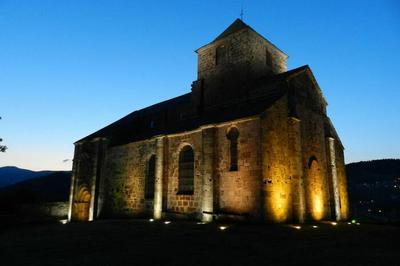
251 140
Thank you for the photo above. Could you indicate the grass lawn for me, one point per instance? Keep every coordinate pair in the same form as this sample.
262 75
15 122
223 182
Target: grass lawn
140 242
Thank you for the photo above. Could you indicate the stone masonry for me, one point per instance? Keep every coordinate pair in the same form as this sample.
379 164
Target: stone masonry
251 141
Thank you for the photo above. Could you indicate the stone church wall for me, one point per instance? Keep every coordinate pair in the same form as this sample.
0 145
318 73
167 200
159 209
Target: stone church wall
289 167
342 183
238 192
281 179
315 165
266 184
235 46
84 170
183 204
310 109
46 209
276 204
244 49
228 73
123 180
259 47
245 58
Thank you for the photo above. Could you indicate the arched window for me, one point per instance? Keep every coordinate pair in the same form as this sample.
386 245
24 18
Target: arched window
233 136
312 160
150 178
186 171
268 59
220 55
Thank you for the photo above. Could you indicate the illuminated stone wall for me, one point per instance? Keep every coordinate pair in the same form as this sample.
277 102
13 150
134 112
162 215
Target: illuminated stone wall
296 169
123 179
342 183
310 108
189 204
245 60
286 170
276 201
244 49
314 160
238 192
84 170
45 209
282 175
295 177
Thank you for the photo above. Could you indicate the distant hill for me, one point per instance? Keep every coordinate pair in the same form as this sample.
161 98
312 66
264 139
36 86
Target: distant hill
374 190
10 175
372 171
52 187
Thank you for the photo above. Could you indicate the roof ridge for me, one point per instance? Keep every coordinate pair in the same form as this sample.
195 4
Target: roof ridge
236 26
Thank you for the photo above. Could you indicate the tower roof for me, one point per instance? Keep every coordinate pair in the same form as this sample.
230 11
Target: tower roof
236 26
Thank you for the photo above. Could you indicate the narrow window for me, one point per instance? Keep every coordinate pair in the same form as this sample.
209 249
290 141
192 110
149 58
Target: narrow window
220 55
233 136
268 58
150 178
186 171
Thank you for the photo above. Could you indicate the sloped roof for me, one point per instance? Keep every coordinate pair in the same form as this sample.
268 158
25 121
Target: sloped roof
237 26
330 131
178 114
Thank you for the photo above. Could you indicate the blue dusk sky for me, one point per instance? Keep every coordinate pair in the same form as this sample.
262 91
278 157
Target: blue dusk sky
69 68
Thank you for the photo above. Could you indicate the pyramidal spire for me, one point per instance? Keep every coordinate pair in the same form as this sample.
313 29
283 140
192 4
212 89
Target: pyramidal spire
237 25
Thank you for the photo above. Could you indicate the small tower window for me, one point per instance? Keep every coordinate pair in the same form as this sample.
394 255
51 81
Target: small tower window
233 136
268 58
150 178
220 55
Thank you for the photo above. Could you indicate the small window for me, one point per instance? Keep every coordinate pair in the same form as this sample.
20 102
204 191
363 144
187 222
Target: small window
186 171
150 178
233 136
151 124
268 58
220 55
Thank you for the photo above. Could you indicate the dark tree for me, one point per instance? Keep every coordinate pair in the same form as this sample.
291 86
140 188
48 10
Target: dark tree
2 147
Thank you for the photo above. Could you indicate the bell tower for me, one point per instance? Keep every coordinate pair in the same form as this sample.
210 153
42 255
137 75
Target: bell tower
238 55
